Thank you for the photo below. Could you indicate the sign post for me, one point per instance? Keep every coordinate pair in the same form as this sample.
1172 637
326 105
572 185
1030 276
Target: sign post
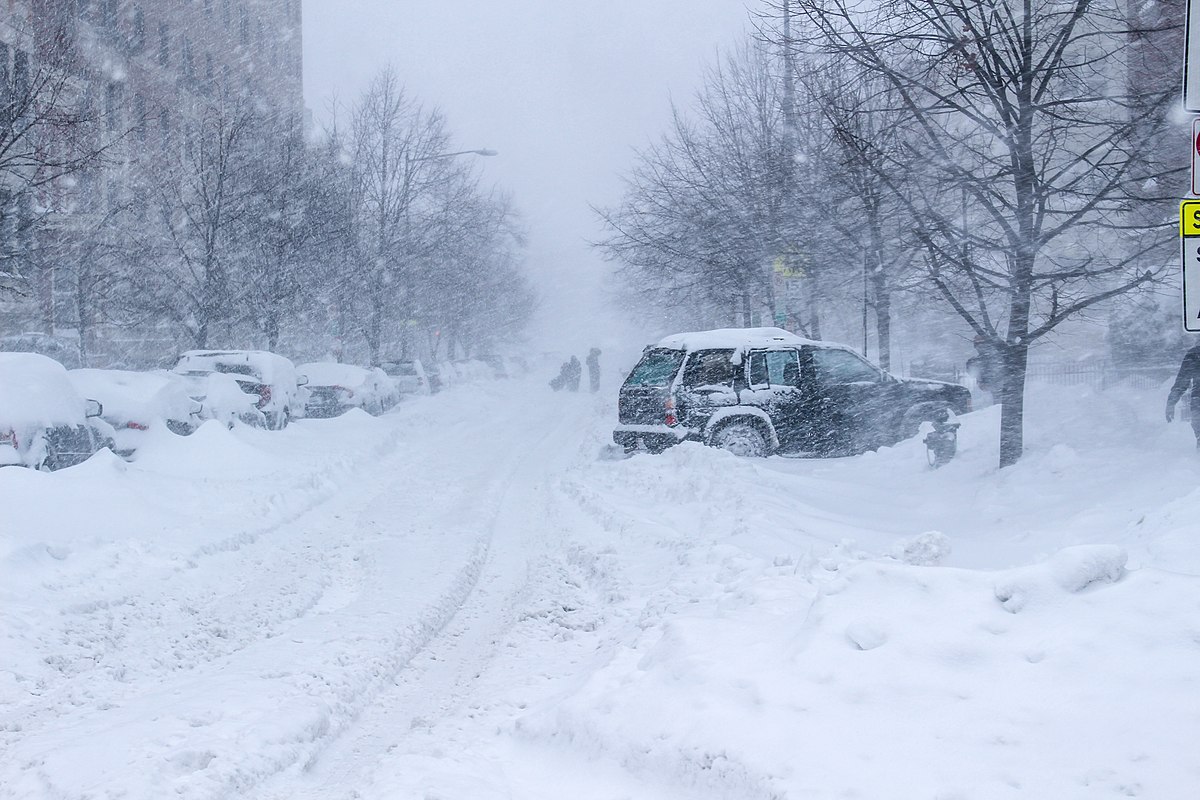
1189 236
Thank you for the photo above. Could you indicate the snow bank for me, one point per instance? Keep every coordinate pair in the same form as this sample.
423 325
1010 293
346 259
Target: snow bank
887 680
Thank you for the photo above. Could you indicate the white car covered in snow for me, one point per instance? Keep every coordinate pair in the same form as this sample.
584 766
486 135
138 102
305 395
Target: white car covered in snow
269 379
44 421
408 375
135 401
334 389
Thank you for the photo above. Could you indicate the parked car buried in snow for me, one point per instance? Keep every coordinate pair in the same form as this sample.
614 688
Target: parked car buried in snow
408 375
334 389
44 422
270 379
135 401
755 391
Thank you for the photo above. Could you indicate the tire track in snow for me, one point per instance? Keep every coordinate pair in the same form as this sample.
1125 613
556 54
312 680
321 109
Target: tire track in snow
439 676
339 683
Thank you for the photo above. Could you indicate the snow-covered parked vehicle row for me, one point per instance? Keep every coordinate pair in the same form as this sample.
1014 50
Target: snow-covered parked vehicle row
44 422
269 379
133 402
755 391
334 389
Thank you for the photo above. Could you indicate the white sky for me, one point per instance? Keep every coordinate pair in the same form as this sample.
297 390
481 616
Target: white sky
563 89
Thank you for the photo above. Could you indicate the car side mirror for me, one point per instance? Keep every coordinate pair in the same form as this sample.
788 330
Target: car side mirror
739 383
302 380
93 408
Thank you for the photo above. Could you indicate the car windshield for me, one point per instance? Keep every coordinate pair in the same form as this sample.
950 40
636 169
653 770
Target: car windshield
657 368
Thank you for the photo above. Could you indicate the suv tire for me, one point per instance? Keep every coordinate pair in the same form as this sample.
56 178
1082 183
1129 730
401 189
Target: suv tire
742 439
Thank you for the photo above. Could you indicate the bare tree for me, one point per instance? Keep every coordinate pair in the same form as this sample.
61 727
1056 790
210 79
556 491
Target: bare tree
292 217
710 208
394 149
201 199
51 133
1031 143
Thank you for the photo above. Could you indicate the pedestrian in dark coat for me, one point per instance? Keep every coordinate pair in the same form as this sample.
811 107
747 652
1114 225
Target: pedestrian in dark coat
1188 378
574 373
562 378
593 365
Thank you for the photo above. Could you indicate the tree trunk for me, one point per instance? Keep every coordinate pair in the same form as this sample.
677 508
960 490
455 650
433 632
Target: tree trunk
883 320
879 284
1012 399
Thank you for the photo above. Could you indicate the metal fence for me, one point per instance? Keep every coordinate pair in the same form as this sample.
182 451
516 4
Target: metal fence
1100 374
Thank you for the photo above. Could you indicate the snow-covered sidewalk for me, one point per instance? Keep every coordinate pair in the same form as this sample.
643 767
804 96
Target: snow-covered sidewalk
444 603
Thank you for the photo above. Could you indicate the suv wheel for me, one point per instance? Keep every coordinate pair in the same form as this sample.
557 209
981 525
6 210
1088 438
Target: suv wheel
741 439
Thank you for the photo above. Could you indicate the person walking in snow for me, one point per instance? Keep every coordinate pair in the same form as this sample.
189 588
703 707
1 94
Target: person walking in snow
574 373
593 365
1188 378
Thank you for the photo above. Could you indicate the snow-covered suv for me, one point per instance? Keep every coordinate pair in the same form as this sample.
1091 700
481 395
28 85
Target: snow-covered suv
755 391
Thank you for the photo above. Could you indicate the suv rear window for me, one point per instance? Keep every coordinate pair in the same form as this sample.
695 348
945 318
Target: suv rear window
710 368
657 368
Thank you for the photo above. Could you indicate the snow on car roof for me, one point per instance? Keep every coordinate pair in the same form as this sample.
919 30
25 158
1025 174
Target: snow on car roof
271 367
733 338
129 395
35 389
328 373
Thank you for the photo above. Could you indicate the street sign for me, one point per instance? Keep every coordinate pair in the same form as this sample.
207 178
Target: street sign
1191 58
1189 237
1196 156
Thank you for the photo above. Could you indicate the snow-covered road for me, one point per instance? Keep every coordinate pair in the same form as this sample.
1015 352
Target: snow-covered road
461 600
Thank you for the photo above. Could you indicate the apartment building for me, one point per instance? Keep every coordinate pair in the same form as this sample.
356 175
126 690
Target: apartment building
144 70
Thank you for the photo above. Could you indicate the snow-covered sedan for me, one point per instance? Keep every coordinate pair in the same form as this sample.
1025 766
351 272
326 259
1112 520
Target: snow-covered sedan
334 389
44 422
269 379
408 375
135 401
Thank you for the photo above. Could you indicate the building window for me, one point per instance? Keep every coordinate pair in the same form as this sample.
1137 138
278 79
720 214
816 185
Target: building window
138 40
112 106
185 54
164 129
244 25
20 75
139 112
164 44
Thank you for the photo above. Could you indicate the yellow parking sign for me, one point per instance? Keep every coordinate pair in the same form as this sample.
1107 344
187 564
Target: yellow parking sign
1189 238
1189 218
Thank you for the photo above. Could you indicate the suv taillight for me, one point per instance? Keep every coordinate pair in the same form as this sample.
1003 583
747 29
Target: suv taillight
264 394
670 419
